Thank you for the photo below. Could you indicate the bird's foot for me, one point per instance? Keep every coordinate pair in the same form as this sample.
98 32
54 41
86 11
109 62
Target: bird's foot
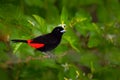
49 55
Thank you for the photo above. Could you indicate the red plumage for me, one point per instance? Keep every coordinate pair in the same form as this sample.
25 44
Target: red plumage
46 42
35 45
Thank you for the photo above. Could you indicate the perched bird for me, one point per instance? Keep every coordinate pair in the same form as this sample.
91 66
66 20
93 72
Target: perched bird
46 42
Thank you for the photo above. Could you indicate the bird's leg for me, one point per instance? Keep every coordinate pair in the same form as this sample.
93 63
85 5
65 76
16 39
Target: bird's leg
48 55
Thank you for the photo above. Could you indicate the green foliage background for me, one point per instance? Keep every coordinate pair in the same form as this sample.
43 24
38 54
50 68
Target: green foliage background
89 50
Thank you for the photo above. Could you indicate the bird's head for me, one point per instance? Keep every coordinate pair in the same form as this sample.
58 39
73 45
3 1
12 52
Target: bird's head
60 29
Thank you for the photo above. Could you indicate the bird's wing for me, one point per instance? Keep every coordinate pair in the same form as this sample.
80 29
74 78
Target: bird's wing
35 44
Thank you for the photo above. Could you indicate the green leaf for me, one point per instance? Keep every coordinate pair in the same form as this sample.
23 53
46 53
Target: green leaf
41 22
94 40
64 15
17 47
72 39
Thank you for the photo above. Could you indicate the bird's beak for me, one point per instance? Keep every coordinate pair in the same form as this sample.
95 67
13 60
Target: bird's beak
63 26
63 31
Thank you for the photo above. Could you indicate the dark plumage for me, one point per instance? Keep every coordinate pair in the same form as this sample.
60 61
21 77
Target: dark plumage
46 42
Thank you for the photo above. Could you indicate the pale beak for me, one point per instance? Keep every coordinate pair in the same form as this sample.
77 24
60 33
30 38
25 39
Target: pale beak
63 26
63 31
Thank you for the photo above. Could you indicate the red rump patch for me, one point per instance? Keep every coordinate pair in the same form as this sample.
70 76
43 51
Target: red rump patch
35 45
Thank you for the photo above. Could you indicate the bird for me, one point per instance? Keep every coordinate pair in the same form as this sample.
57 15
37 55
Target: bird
46 42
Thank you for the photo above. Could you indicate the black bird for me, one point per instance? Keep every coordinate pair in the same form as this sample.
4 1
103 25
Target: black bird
46 42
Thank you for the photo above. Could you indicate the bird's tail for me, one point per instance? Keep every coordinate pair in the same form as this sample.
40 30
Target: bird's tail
16 40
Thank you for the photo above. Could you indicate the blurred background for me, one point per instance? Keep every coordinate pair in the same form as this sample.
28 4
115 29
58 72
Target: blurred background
89 50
